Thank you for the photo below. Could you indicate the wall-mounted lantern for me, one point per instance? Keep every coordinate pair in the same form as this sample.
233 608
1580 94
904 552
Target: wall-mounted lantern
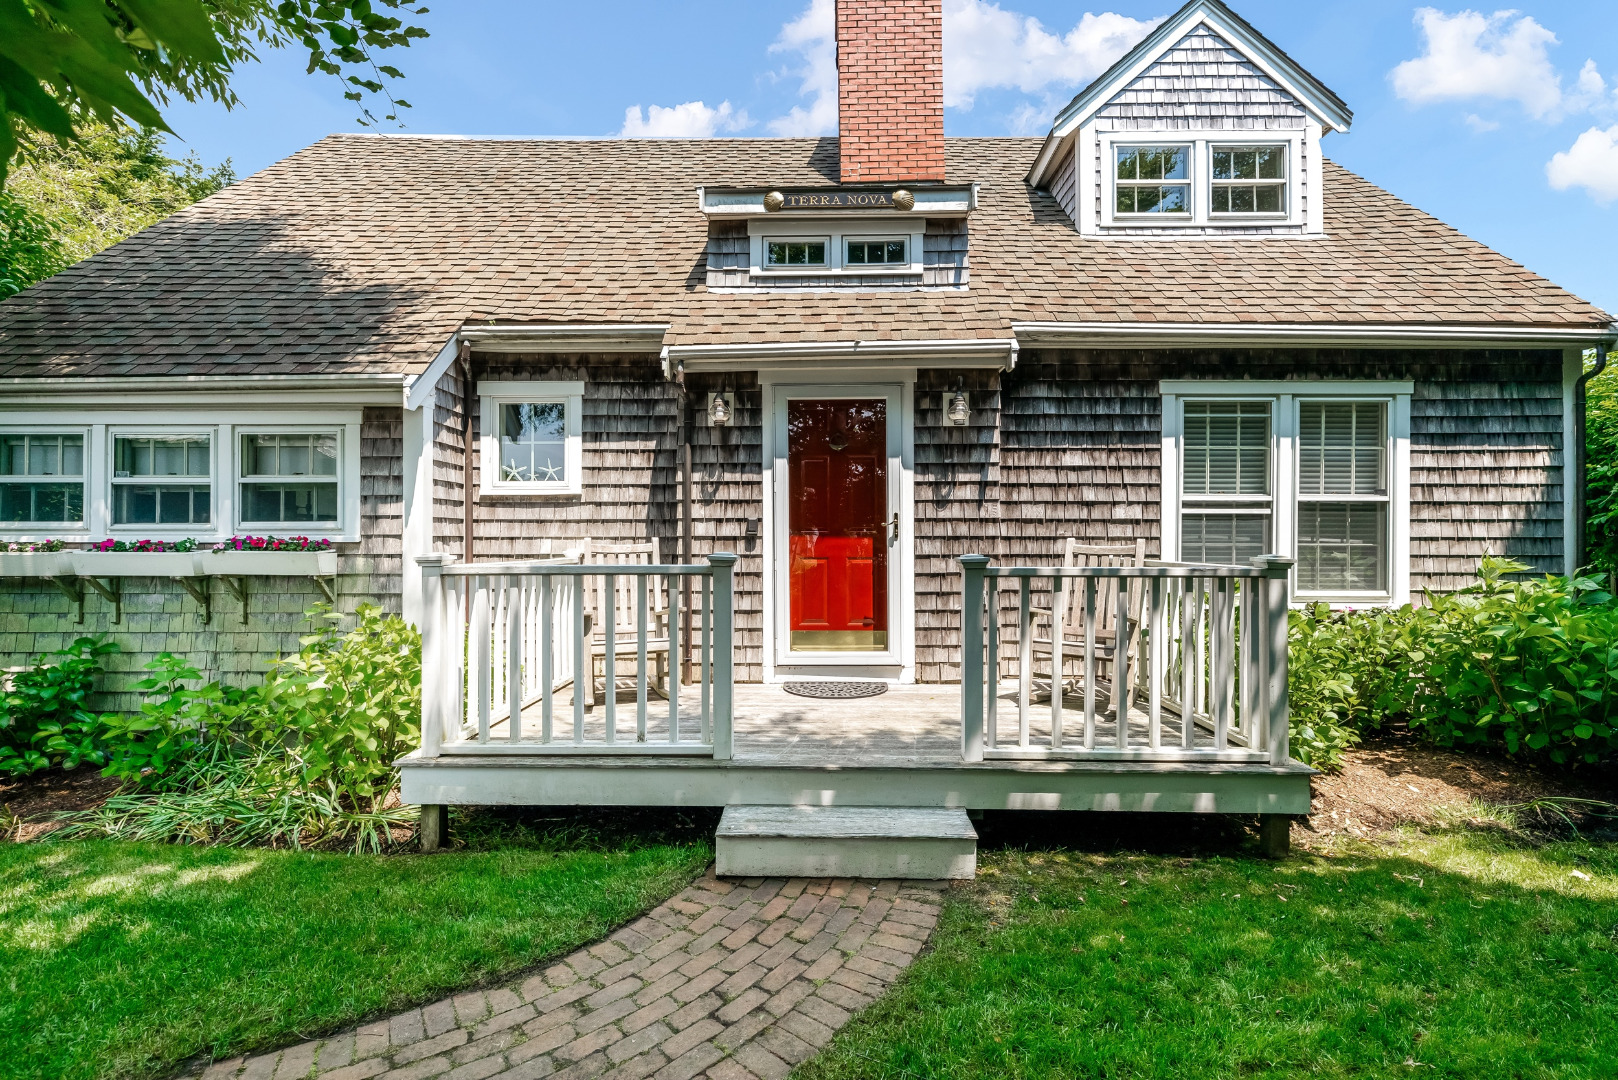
721 409
959 410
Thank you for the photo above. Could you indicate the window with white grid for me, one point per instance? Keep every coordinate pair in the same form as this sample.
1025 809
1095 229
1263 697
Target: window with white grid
1342 496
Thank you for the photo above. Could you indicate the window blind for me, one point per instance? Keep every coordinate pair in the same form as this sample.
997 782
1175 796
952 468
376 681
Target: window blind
1341 446
1227 448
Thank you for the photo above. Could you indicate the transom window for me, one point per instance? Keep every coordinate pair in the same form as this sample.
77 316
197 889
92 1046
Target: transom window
162 480
796 252
1226 481
288 477
1342 496
1153 180
876 253
1249 179
42 478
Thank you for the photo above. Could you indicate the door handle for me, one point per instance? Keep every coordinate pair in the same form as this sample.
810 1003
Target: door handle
893 526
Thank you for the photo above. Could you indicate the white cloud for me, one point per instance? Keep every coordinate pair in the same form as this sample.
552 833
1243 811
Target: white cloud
1472 55
1591 163
813 35
692 120
987 47
1477 123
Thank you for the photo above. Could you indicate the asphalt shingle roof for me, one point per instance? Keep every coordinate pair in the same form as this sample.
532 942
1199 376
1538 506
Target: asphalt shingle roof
364 253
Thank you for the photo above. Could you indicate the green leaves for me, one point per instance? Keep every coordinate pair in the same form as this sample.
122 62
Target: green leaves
44 717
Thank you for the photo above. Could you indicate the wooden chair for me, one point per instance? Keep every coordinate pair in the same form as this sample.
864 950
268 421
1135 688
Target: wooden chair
624 606
1106 630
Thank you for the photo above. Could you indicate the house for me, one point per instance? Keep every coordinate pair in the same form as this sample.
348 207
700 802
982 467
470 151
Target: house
847 361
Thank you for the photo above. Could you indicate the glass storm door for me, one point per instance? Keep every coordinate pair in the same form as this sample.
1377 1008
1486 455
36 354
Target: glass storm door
837 527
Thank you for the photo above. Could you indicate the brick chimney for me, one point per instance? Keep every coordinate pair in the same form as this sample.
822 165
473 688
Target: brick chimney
890 90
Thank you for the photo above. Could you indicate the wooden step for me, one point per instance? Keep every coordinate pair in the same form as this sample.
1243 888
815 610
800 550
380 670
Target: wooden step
845 841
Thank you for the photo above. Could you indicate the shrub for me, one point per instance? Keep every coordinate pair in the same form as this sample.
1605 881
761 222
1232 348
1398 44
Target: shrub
44 720
170 726
1601 469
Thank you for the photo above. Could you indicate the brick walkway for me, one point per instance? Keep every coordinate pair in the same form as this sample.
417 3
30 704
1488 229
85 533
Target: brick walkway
728 980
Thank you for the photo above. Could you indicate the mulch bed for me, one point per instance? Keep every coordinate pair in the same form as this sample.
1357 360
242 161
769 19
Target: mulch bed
32 803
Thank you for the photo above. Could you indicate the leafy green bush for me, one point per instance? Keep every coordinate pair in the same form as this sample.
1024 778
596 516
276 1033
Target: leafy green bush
169 727
1601 469
44 720
1529 665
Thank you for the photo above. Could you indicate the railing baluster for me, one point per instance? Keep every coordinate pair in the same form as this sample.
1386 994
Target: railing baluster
1188 724
991 674
1222 677
516 652
722 572
640 658
609 663
1025 657
583 668
1123 690
972 582
1248 667
673 585
482 677
705 657
1058 633
1155 673
1089 663
457 627
547 622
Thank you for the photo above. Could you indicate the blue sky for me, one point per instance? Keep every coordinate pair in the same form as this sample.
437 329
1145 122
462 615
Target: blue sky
1504 124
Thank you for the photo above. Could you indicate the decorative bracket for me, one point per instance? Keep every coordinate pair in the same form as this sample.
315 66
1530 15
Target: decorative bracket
328 587
238 589
112 592
198 588
74 591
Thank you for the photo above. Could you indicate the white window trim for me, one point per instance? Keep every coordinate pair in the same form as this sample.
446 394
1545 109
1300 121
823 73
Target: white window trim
836 235
1284 412
491 396
222 427
1287 183
1202 143
57 529
290 429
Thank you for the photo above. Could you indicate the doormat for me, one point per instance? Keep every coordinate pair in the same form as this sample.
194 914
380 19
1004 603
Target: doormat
836 689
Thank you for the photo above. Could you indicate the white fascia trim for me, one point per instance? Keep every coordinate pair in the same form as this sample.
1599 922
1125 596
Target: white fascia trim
1270 388
1195 335
567 337
963 353
418 391
378 387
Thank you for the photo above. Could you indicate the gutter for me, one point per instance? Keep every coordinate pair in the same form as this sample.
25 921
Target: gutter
1075 335
573 337
953 353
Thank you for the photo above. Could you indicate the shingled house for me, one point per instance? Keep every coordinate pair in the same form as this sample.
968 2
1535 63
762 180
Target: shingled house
1171 320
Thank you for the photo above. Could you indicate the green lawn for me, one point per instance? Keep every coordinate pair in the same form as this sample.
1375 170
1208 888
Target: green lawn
1453 954
123 960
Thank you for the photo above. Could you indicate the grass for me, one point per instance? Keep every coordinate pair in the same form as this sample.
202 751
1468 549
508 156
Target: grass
126 959
1460 952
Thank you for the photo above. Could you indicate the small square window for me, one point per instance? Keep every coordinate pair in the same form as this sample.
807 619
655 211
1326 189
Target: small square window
531 442
42 478
796 252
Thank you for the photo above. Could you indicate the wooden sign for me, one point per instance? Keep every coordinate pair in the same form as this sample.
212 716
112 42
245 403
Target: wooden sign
840 200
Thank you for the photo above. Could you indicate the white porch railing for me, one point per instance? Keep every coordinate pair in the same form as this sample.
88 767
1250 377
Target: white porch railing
1197 658
503 641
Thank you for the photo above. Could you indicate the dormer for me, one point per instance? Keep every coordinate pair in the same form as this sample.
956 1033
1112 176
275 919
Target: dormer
1205 128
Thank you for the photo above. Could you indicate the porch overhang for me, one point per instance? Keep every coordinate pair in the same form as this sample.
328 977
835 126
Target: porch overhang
997 353
1116 335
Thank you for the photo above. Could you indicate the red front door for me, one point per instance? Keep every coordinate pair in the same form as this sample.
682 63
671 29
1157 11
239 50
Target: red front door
837 480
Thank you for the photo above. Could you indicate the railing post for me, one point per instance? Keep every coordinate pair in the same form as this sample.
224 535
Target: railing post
1277 602
972 574
436 685
724 647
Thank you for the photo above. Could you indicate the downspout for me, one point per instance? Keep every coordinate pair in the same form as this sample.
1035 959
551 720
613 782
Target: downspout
1583 513
685 521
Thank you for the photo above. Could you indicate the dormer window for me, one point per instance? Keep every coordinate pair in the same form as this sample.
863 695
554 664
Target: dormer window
797 252
1249 179
876 253
1154 180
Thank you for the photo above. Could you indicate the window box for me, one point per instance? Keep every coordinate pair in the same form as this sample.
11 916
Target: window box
168 564
35 563
270 563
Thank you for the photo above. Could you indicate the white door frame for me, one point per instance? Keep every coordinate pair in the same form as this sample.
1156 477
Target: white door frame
897 663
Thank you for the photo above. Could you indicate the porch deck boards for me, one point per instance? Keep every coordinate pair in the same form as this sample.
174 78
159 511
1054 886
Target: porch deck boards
906 727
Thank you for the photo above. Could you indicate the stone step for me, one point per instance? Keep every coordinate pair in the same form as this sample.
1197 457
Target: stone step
845 841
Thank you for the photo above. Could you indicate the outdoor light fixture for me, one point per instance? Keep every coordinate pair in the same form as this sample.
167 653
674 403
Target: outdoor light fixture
959 410
720 409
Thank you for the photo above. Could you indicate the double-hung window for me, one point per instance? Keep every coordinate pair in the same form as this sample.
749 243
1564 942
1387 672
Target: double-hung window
288 478
1314 471
1249 180
1153 180
162 479
42 478
530 438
